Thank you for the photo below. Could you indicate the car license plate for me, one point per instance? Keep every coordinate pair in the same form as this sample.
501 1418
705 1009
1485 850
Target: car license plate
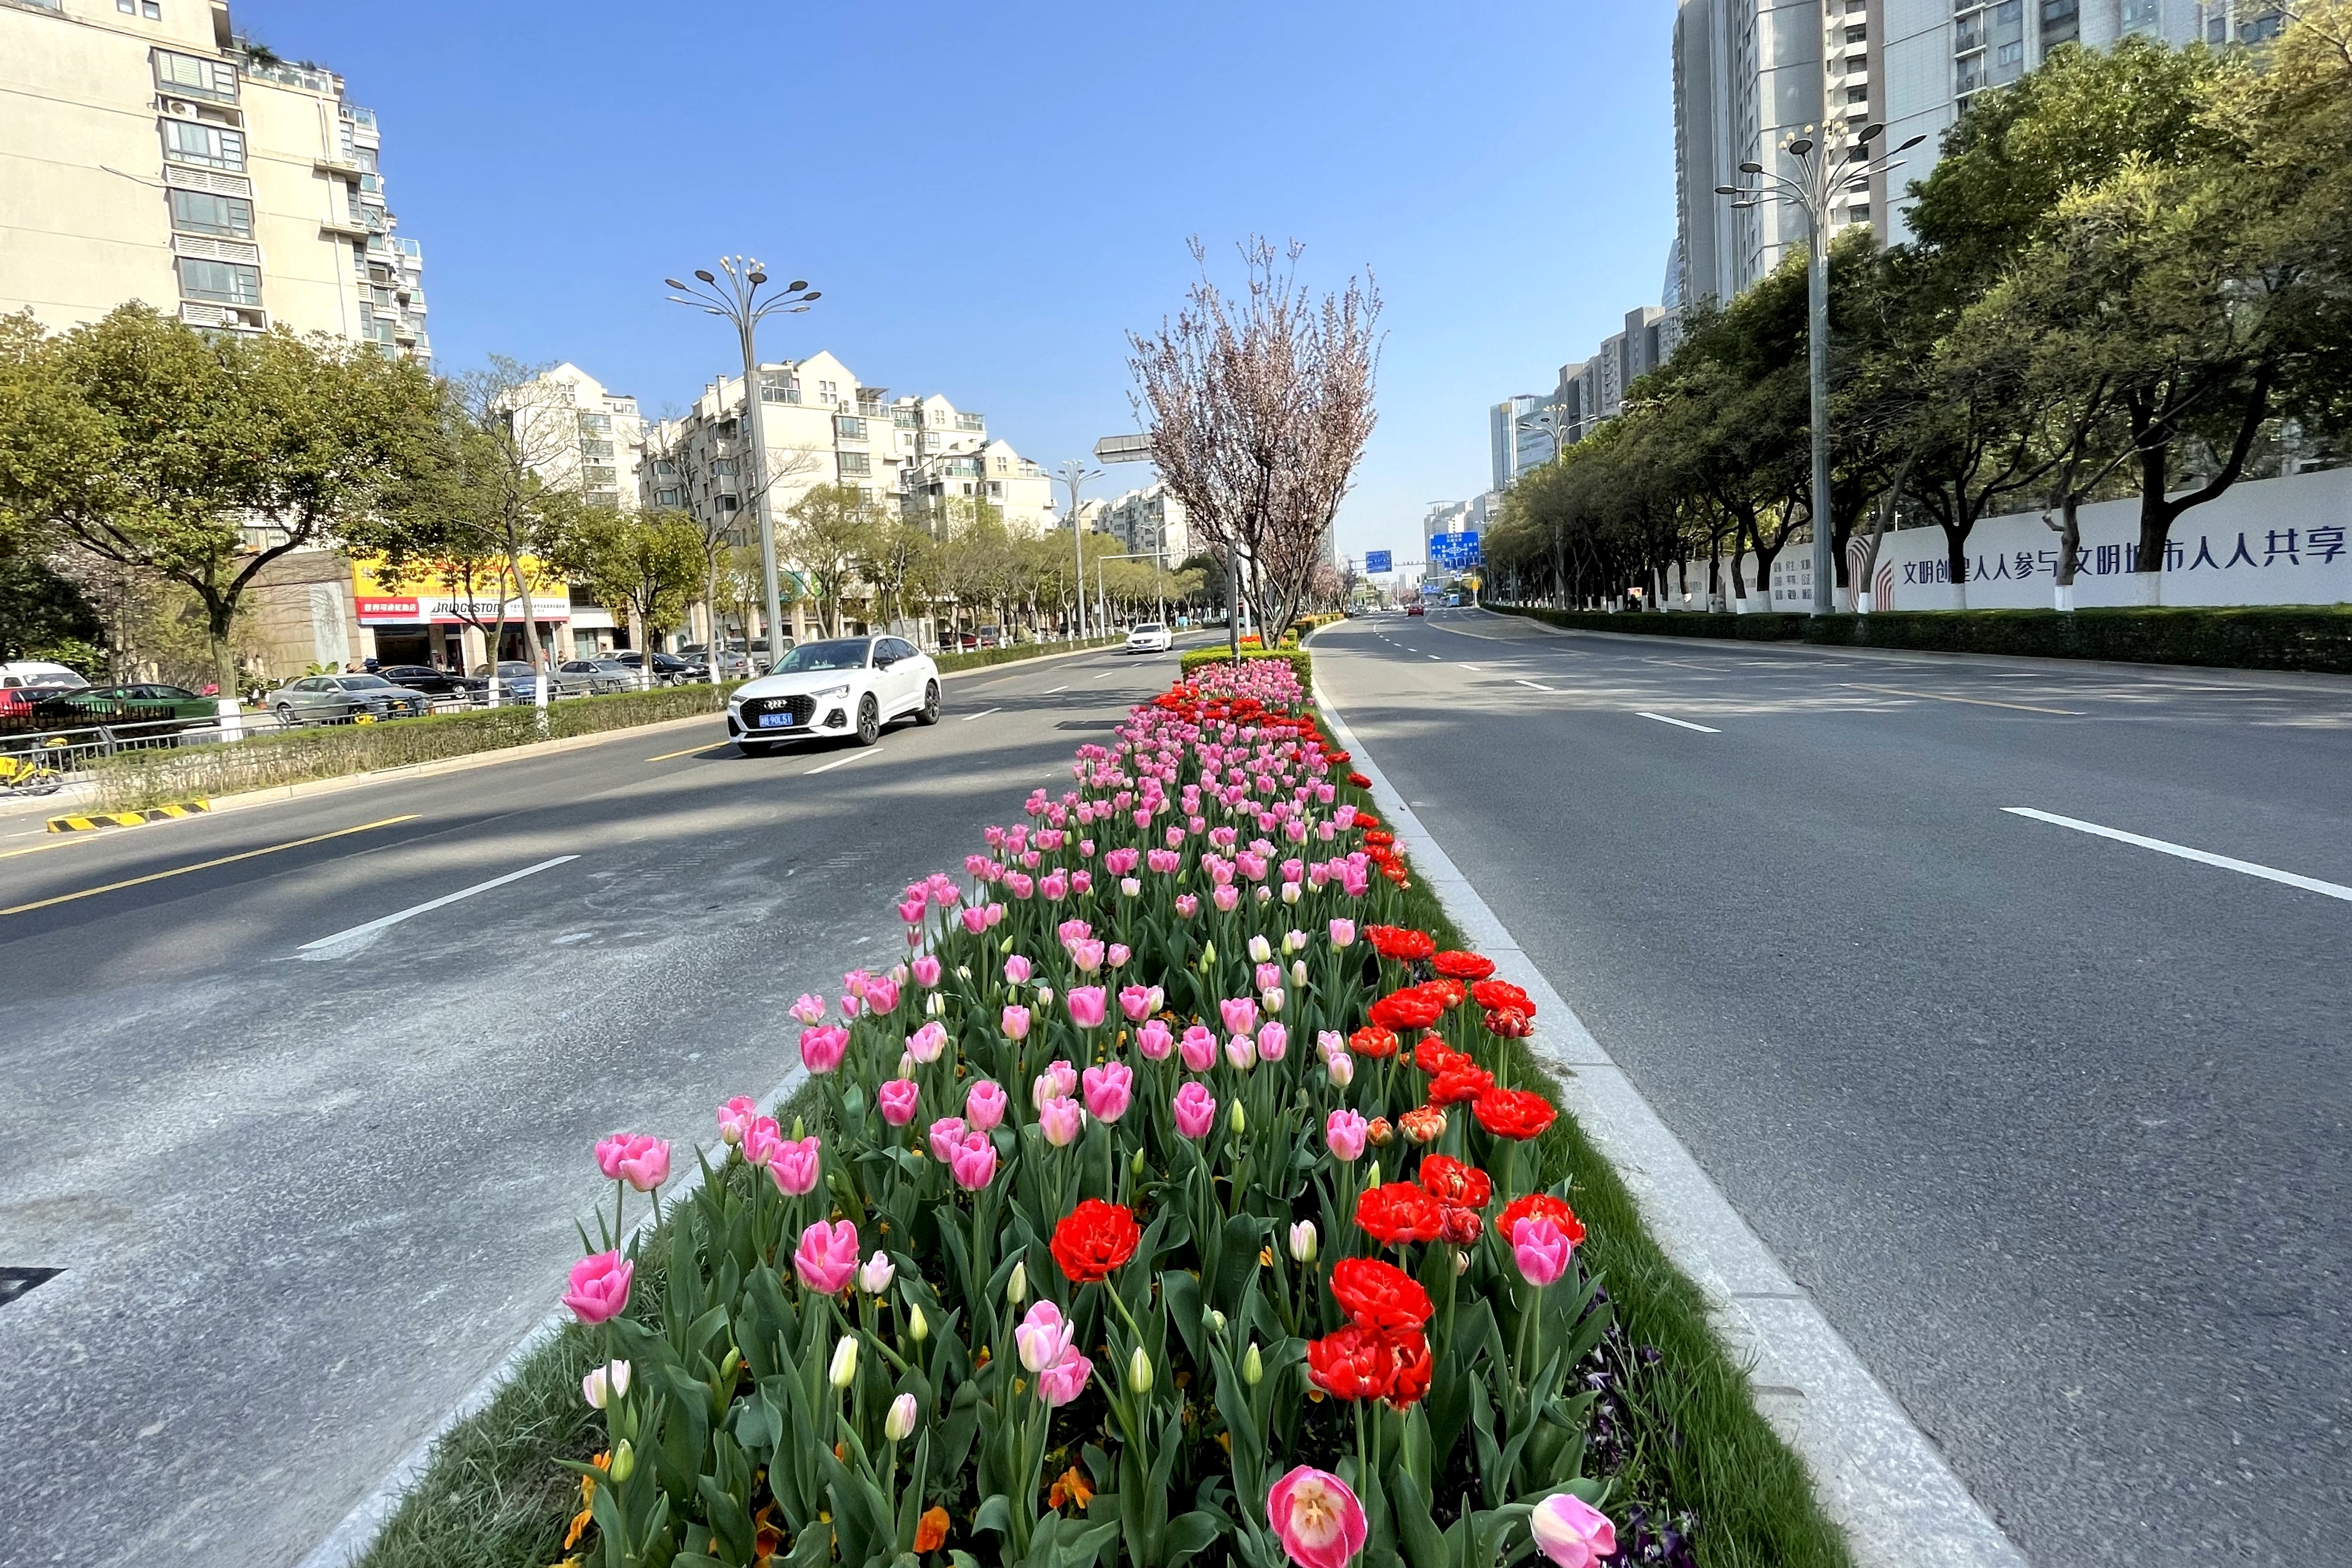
776 720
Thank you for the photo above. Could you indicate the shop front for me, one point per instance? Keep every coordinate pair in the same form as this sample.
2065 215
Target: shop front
432 621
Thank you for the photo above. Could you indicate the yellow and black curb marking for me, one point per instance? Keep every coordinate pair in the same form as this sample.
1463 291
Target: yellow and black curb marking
129 819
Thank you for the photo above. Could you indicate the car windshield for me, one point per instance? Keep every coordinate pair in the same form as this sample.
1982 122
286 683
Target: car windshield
841 653
363 682
1146 629
610 664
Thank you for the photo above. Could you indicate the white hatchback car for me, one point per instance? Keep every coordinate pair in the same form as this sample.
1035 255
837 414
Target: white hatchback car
841 687
1149 637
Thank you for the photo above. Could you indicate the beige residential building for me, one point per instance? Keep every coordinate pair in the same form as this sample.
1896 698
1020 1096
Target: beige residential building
1149 521
822 426
144 154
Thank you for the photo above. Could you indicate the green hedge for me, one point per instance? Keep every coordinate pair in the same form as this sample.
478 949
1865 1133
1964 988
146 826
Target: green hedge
2254 636
268 758
1300 660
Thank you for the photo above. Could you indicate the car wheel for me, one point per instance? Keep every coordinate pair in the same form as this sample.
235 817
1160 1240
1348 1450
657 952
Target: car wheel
286 720
929 714
756 748
869 721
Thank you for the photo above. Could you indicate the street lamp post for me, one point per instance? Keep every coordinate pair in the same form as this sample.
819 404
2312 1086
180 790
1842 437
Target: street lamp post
1074 473
1830 160
737 301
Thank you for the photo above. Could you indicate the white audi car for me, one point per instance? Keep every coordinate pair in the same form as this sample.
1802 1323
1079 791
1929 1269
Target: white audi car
1149 637
841 687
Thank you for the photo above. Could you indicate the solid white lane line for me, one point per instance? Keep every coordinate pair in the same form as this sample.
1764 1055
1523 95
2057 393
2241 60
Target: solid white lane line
983 713
1677 723
2268 873
387 922
1050 690
1433 655
1536 685
836 762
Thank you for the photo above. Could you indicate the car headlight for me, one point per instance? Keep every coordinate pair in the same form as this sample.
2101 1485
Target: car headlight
840 690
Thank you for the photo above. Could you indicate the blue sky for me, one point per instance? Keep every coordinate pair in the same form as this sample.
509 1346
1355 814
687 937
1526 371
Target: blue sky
989 195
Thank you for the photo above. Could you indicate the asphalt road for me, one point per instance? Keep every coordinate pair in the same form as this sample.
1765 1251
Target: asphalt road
304 1201
2054 1125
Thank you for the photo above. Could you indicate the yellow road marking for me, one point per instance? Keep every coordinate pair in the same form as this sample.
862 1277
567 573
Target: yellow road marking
205 865
1975 701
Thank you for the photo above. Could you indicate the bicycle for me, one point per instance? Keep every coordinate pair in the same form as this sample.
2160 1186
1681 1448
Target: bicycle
30 772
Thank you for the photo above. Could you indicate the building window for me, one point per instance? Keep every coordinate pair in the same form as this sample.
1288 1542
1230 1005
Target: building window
1858 34
1857 95
856 463
2062 23
2139 14
209 145
221 282
228 218
595 448
598 423
2008 54
728 503
723 465
196 76
848 426
664 498
775 388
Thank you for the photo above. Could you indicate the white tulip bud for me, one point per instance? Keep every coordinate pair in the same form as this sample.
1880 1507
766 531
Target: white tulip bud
875 1278
606 1383
1252 1365
1138 1372
900 1421
1241 1123
1259 950
845 1362
1016 1289
918 1327
1302 1241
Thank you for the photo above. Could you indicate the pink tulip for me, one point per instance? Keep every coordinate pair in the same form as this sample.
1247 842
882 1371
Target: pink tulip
975 919
1065 1380
1082 881
1239 1013
1055 885
827 1258
1329 1043
797 1167
1200 1047
1108 1088
1269 975
1344 1133
1571 1531
985 1103
947 1136
1072 931
974 1164
848 1005
1088 1003
1540 1251
898 1097
1187 906
822 1049
1117 954
926 1044
1317 1520
1043 1336
1059 1081
1226 897
1135 1001
927 971
1155 1040
636 1158
809 1009
1086 955
1273 1041
761 1139
1241 1053
735 1118
599 1287
1061 1118
1016 971
1341 1069
1196 1110
1016 1023
881 993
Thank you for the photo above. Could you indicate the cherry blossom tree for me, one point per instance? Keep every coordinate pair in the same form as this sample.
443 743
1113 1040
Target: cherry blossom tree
1258 407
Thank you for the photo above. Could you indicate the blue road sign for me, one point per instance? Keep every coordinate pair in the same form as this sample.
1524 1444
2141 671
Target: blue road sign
1453 550
1376 561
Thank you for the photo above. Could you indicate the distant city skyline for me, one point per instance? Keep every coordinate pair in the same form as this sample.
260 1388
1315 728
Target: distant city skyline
976 224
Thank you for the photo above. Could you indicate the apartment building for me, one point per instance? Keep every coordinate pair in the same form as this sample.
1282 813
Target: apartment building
148 152
1513 442
1147 522
822 426
1748 73
576 433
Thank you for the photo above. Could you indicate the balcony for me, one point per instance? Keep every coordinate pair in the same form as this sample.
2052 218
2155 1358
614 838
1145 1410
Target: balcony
340 165
216 249
970 422
342 228
231 318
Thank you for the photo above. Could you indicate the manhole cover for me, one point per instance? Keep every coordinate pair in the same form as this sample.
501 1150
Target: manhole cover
14 1282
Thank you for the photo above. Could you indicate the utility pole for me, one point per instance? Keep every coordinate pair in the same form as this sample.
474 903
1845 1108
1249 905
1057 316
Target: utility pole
1074 473
737 301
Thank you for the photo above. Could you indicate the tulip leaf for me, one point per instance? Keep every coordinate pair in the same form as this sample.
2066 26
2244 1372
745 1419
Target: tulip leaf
995 1513
1188 1534
1417 1532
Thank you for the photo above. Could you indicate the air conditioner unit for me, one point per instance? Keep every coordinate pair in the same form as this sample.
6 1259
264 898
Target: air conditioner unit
181 107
